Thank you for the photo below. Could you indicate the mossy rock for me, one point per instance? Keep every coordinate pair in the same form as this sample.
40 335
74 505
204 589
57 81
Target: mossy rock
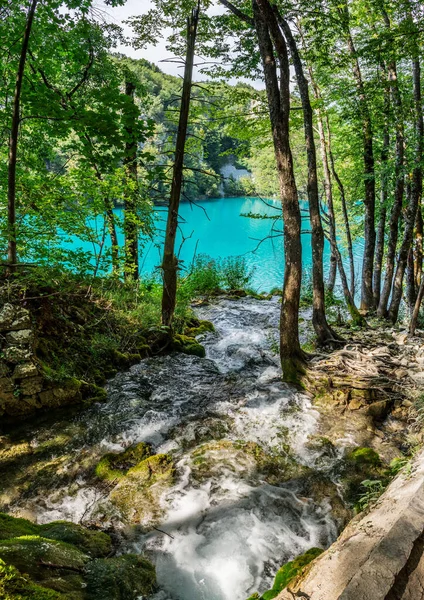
32 555
94 543
115 466
201 328
360 464
137 495
125 577
289 572
11 527
188 345
363 458
253 462
15 586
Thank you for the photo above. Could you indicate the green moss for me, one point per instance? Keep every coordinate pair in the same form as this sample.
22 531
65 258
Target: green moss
188 345
123 578
94 543
200 328
137 494
115 466
363 457
288 572
32 555
14 586
11 527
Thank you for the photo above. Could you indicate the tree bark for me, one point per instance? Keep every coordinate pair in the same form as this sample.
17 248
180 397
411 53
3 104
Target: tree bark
416 190
367 298
418 256
170 261
131 191
266 25
323 331
345 213
398 195
13 140
379 248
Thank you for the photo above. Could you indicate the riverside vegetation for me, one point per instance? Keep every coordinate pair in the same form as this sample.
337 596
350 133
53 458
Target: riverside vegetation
179 435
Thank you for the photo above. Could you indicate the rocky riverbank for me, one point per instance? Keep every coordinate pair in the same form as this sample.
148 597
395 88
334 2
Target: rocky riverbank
211 467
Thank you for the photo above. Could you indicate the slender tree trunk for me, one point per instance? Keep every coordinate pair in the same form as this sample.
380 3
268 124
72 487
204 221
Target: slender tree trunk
322 329
417 175
345 214
111 225
328 184
411 290
13 139
418 257
415 314
170 261
266 25
328 189
379 249
398 196
367 297
131 191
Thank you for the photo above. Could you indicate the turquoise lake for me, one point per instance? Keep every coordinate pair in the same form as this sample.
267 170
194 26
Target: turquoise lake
216 227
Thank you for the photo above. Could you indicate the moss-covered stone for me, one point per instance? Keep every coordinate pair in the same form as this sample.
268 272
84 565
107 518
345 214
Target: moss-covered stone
188 345
200 328
137 494
361 458
115 466
94 543
288 573
11 527
33 556
360 464
122 578
15 586
248 459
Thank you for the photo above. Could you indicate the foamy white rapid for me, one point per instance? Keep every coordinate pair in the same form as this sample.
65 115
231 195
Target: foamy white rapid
226 529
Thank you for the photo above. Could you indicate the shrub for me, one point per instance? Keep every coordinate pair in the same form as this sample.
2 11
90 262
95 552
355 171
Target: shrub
236 273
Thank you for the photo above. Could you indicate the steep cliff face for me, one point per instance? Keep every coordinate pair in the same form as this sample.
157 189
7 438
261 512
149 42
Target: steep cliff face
379 556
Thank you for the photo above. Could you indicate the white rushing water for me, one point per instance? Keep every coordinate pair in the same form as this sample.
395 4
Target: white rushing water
231 522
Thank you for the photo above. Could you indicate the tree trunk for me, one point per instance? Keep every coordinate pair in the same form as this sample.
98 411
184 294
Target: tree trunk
345 214
131 189
416 190
111 225
266 25
367 298
415 314
411 290
170 261
13 140
418 257
323 331
379 249
398 196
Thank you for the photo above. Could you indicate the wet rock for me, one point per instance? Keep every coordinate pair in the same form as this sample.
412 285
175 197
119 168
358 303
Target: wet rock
137 495
115 466
379 410
125 577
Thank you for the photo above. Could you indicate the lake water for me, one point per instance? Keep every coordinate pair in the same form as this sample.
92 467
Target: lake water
217 228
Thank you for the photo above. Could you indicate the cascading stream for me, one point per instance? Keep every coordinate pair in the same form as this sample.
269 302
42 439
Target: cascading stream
239 438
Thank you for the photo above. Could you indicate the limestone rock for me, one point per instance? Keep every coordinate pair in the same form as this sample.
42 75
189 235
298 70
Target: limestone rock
7 315
22 337
24 370
16 354
31 385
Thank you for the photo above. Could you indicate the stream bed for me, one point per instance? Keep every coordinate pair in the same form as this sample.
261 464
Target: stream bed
249 466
